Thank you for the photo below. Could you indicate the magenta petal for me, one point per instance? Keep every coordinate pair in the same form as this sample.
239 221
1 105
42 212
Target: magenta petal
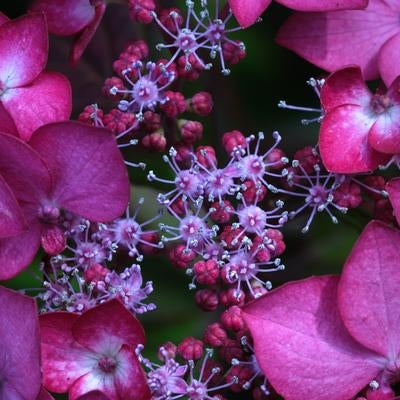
130 380
3 18
345 86
45 395
47 99
17 252
324 5
343 141
302 345
108 325
12 220
65 17
336 39
63 359
368 294
86 35
389 60
90 176
94 395
393 188
23 50
31 186
20 346
7 124
247 12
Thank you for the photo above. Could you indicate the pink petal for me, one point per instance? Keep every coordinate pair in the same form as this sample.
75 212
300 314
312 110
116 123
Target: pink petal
324 5
336 39
23 50
345 86
393 188
389 60
87 34
63 359
108 326
368 294
12 220
90 177
343 141
130 380
20 345
3 18
29 185
65 17
384 135
91 382
45 395
17 252
47 99
303 347
6 122
247 12
94 395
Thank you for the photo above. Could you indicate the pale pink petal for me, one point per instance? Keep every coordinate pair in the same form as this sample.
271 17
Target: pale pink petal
247 12
343 141
7 124
90 176
29 185
368 294
87 34
65 17
108 326
130 380
303 347
324 5
63 359
389 60
90 382
345 86
333 40
17 252
12 220
45 395
23 50
47 99
384 135
393 188
95 395
20 346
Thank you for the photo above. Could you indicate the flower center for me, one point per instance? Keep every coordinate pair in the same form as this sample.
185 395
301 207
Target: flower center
196 391
49 214
145 91
380 103
107 364
186 40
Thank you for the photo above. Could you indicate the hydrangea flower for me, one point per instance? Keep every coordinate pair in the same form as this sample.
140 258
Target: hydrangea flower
93 352
358 126
328 337
369 38
29 96
247 12
70 17
66 171
20 347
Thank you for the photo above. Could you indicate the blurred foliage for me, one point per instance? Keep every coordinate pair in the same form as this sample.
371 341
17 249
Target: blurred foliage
246 100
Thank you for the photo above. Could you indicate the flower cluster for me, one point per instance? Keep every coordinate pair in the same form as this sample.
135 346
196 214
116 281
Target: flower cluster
225 217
